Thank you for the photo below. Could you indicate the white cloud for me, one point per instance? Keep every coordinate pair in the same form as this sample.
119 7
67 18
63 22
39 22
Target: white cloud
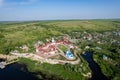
27 2
1 2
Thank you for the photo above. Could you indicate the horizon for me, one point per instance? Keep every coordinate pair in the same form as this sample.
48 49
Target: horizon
60 20
38 10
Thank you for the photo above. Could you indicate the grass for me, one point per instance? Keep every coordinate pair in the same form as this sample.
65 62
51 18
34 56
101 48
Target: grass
20 33
13 34
49 69
63 48
91 25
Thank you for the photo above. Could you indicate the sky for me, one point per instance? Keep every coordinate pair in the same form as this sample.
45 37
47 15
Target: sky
21 10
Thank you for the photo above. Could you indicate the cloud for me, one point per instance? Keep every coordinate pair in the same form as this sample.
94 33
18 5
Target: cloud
27 2
22 2
1 2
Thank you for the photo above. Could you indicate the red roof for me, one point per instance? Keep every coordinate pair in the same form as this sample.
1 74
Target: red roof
52 47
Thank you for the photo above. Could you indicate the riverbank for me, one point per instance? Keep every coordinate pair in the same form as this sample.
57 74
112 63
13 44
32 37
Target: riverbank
16 72
44 60
95 68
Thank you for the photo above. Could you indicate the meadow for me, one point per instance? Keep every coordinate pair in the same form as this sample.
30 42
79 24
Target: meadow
19 33
16 34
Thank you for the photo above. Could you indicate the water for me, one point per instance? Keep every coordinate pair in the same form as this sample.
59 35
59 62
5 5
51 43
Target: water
16 72
96 70
20 72
1 60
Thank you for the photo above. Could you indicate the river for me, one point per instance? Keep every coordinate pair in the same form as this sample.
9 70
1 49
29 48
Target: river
20 72
16 72
95 68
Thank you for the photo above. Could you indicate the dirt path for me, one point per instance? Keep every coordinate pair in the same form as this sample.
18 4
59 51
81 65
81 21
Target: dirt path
41 59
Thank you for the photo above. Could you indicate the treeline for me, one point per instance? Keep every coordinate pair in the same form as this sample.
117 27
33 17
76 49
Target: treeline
55 72
111 65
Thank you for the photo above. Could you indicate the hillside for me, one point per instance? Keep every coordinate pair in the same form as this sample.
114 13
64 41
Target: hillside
28 32
101 37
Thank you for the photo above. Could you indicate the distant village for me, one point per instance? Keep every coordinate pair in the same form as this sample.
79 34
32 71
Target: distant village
51 49
63 49
60 51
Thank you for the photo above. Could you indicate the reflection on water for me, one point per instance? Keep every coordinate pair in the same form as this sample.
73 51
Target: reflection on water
20 72
96 70
16 72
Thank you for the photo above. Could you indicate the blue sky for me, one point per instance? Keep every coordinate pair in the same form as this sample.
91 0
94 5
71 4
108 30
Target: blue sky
12 10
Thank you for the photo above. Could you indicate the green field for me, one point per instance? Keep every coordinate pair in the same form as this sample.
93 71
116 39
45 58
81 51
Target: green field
15 34
18 33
